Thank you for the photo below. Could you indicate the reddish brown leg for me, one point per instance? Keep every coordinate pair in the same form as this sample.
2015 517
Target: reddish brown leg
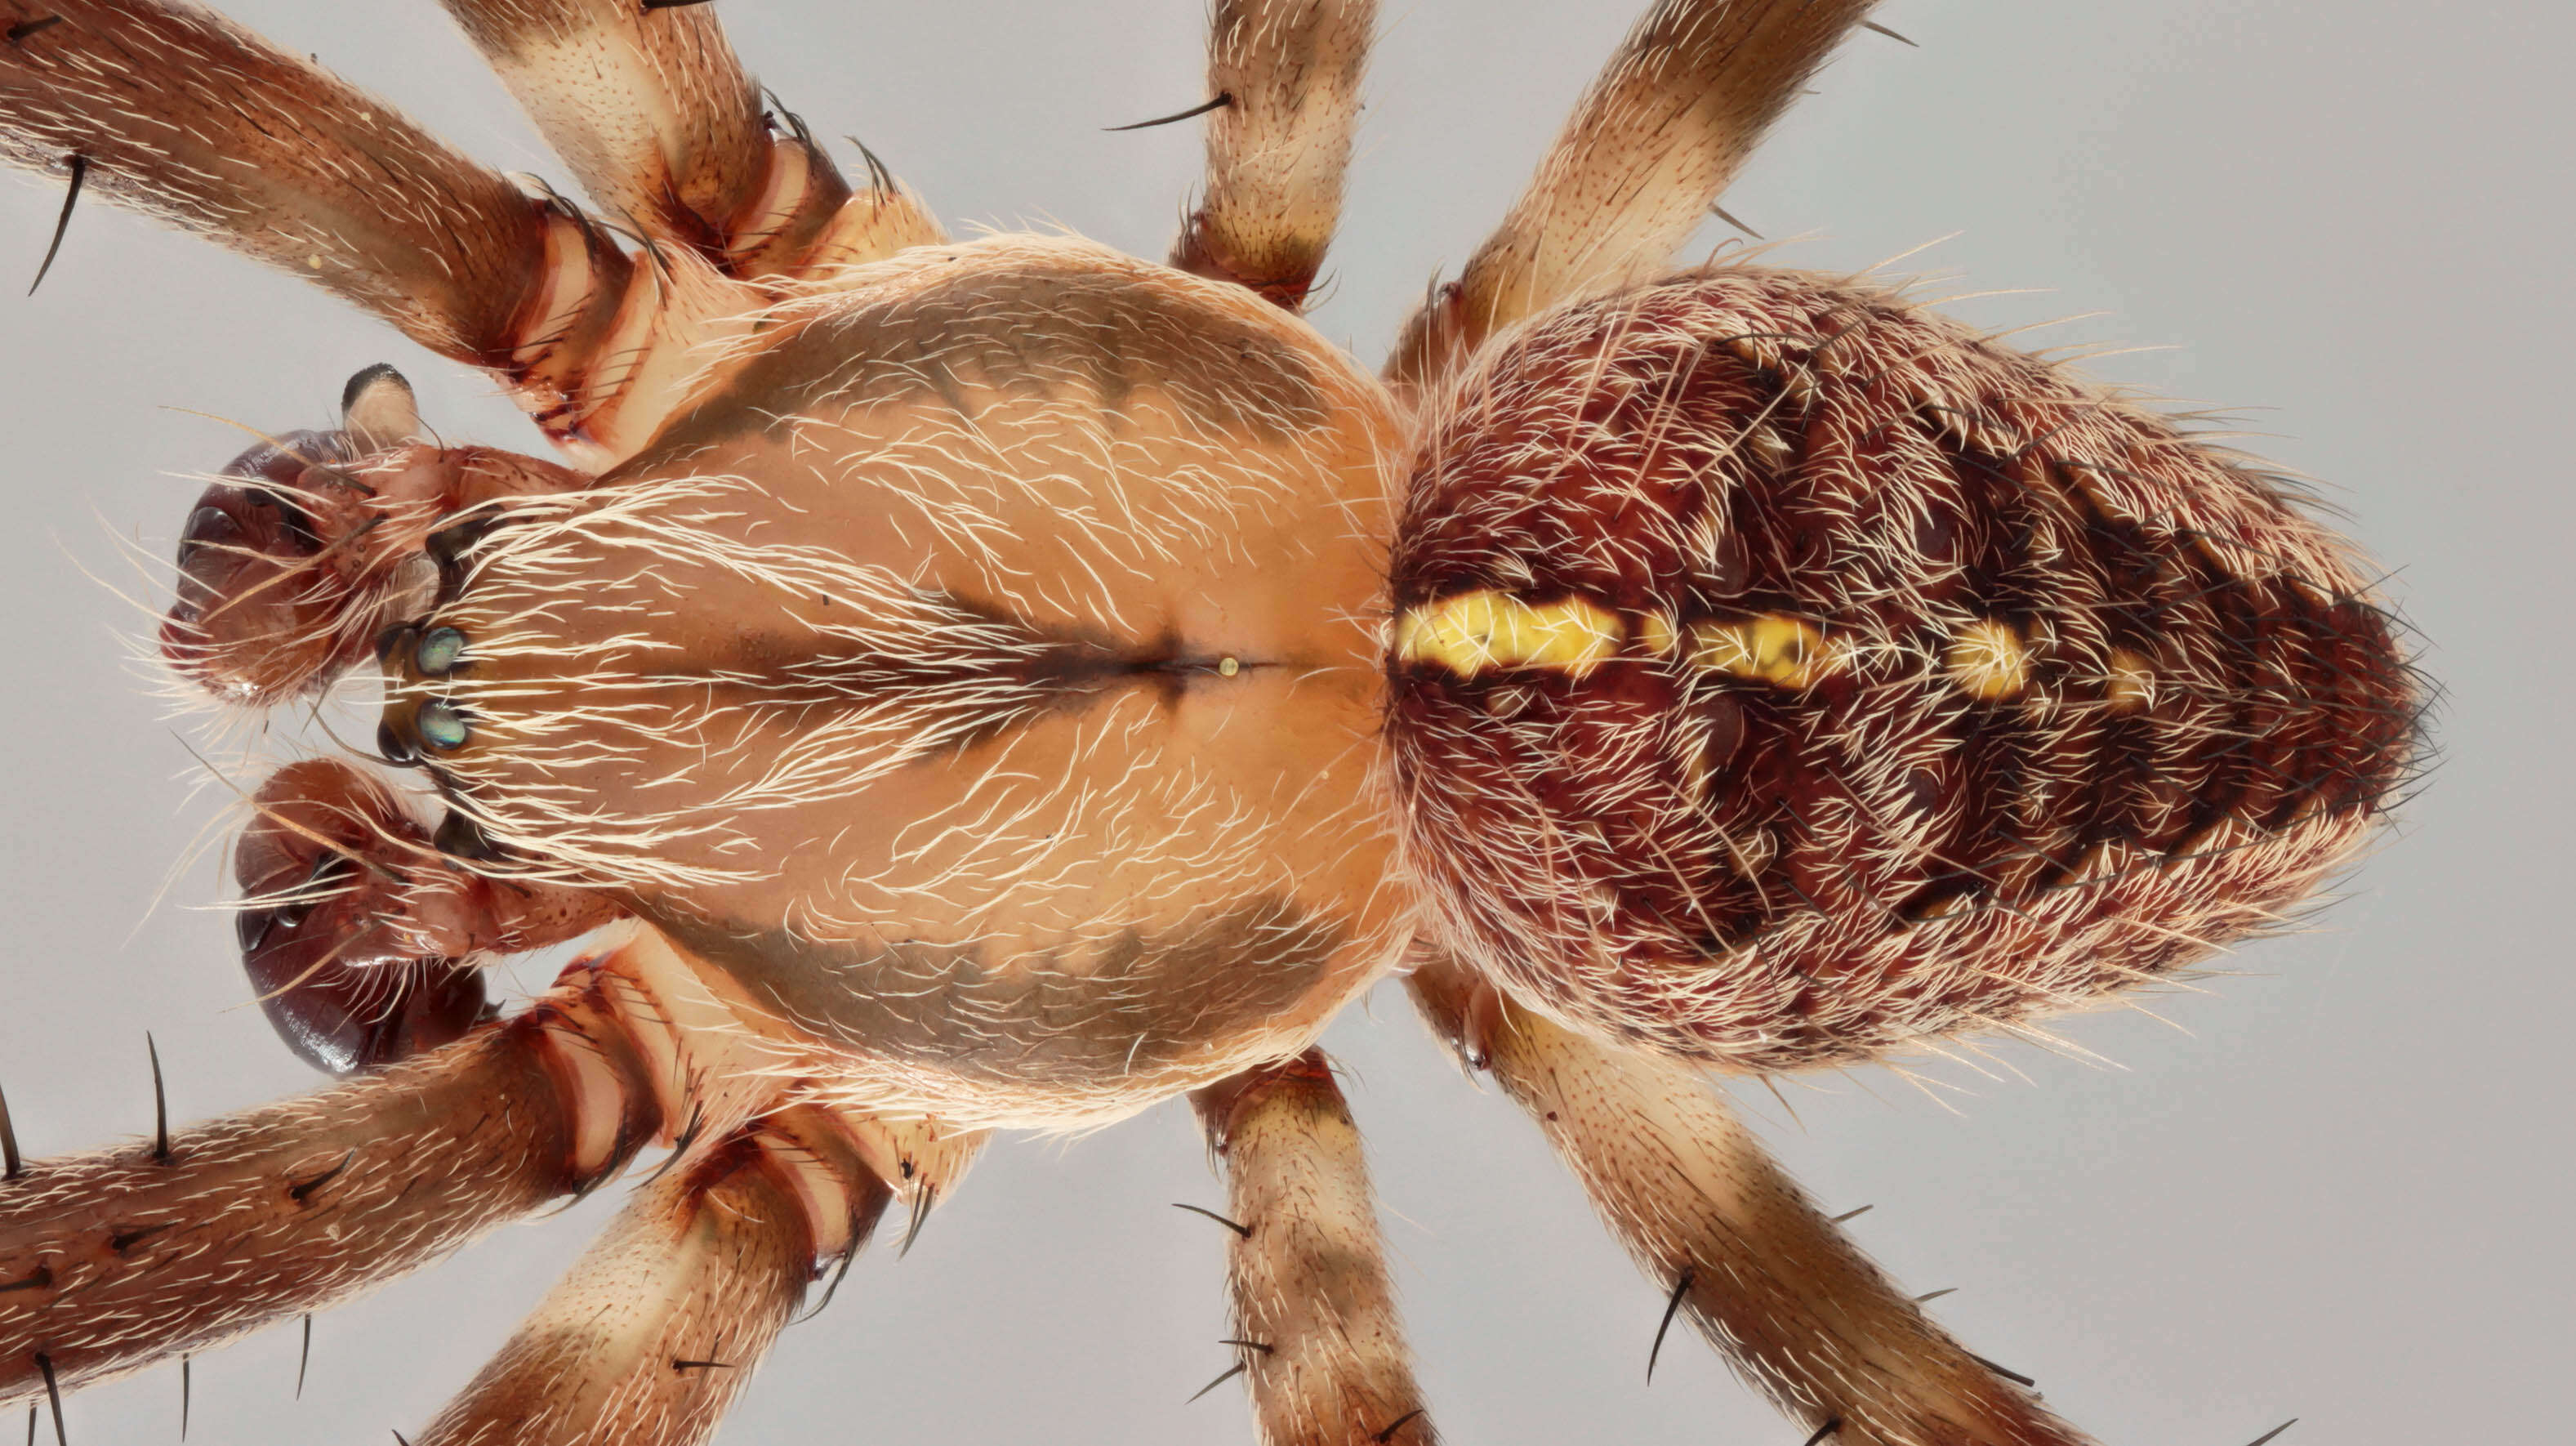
112 1260
1650 146
1288 72
185 116
361 934
655 115
1797 1309
660 1324
1314 1314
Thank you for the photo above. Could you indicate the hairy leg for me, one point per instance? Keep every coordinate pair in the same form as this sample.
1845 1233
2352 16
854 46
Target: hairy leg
112 1260
664 128
1288 72
183 115
660 1324
1322 1350
1661 132
1800 1312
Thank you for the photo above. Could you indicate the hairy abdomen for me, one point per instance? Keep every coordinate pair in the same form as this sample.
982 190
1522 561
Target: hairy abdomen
1781 673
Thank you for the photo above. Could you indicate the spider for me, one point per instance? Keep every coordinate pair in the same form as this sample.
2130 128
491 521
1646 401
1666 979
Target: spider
1730 667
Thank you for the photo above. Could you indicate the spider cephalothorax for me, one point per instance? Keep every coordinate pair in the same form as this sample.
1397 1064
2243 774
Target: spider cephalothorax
987 685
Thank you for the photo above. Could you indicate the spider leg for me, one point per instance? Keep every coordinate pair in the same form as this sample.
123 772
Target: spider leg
1765 1277
660 1324
1323 1353
1648 148
655 115
1289 74
185 116
111 1260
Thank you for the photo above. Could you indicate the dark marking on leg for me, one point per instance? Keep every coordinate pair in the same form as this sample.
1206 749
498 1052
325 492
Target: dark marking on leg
1720 213
125 1240
80 172
11 1165
1236 1226
25 28
2006 1373
922 1200
1223 99
681 1365
839 1274
680 1146
160 1105
1398 1424
1831 1425
304 1358
2275 1431
1232 1371
53 1397
41 1279
1853 1214
300 1192
1672 1307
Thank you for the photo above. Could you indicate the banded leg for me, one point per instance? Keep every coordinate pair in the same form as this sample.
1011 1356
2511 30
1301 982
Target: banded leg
1648 149
662 1321
1799 1311
112 1260
185 116
1323 1353
1289 72
656 117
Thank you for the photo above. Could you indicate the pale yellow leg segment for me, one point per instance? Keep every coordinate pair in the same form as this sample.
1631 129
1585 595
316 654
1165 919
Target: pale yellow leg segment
1659 135
666 131
1315 1323
1800 1312
1289 73
660 1324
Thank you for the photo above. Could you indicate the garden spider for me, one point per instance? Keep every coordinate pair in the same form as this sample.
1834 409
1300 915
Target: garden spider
1719 650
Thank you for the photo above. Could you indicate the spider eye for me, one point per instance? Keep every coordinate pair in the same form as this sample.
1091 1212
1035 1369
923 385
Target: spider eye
442 726
438 652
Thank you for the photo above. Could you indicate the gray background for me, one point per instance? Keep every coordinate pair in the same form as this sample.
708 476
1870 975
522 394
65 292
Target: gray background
2336 1192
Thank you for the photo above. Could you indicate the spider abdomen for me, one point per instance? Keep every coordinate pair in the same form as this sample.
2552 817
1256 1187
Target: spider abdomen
1780 673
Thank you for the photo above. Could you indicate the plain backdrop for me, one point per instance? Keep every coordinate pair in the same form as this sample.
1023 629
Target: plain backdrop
2336 1189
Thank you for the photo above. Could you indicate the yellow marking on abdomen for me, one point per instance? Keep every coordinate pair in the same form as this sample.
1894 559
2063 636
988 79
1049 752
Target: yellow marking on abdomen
1473 631
1989 660
1775 648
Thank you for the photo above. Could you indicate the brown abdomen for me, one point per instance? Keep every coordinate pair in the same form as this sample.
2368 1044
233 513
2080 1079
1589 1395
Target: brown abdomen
1780 673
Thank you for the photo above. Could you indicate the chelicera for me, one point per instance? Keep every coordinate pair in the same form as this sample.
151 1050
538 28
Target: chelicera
997 685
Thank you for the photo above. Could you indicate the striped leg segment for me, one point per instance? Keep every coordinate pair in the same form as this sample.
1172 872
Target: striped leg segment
179 113
660 1324
651 110
1323 1352
1288 72
1648 149
1765 1277
112 1260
